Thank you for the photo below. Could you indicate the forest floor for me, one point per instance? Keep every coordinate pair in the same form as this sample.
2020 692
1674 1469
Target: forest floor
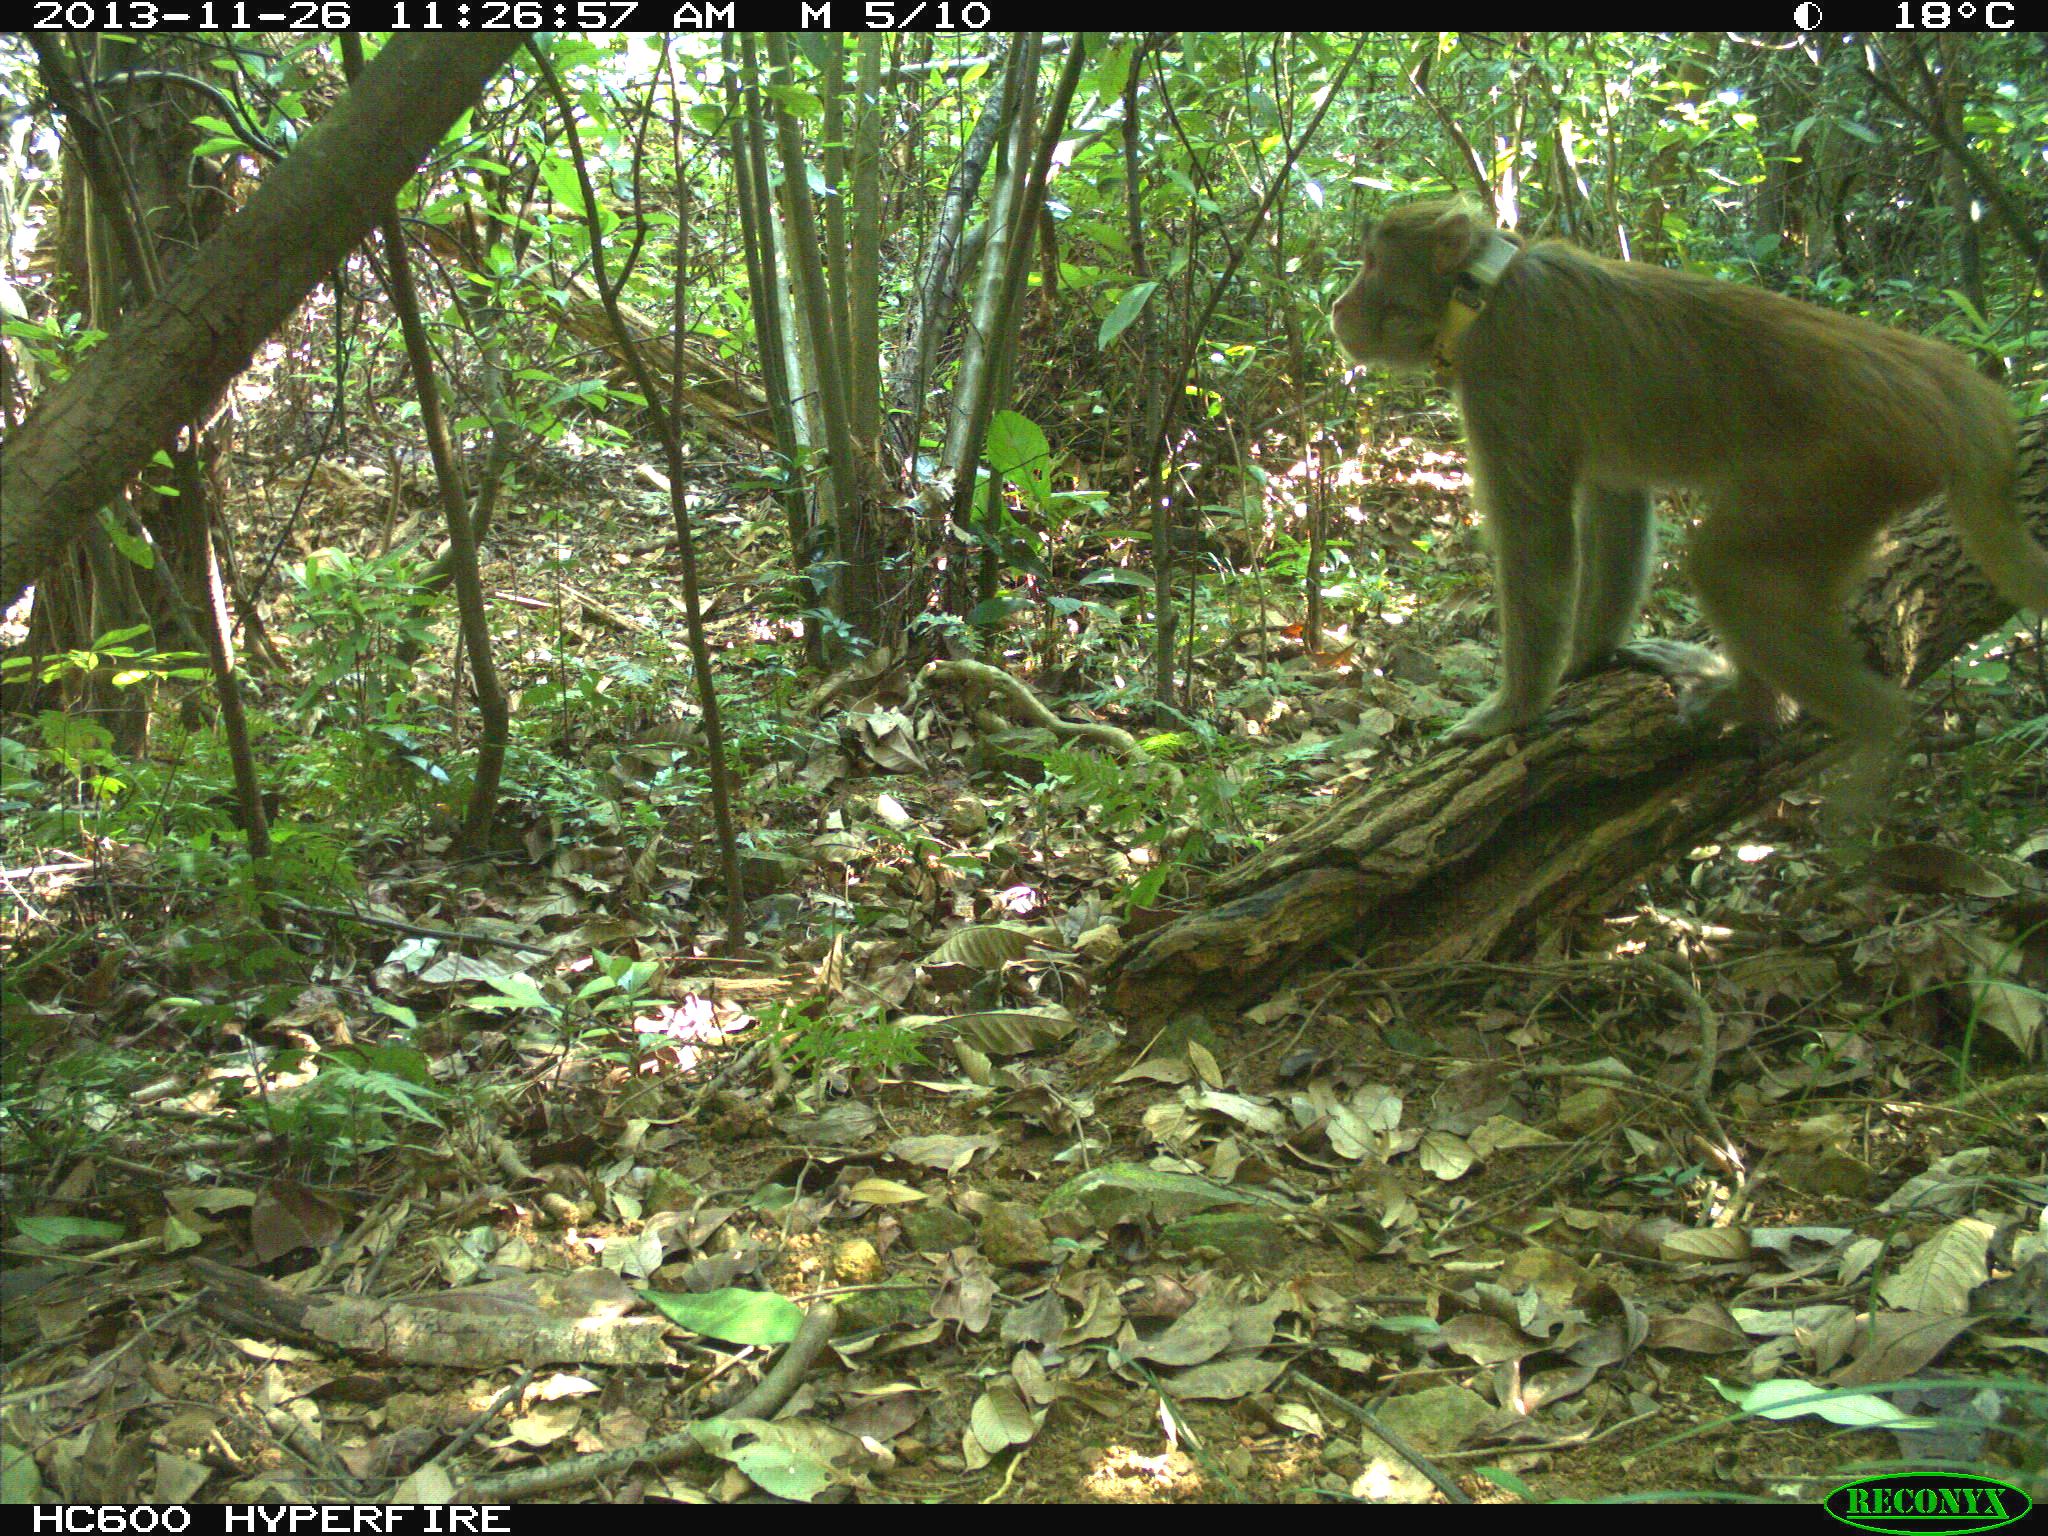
542 1166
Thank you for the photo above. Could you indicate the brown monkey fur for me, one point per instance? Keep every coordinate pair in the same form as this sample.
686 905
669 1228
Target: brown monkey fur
1584 383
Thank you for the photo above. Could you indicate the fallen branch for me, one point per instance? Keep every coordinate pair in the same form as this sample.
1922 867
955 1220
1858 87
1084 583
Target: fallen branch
1477 851
470 1333
1024 705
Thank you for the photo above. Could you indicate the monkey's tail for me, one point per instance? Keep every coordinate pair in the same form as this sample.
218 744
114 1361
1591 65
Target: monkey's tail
1980 499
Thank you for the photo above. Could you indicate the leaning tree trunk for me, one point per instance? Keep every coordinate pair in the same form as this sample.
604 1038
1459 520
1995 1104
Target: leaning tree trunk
1477 851
167 363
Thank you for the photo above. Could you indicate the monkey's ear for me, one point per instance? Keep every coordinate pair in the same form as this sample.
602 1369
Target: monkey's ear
1450 240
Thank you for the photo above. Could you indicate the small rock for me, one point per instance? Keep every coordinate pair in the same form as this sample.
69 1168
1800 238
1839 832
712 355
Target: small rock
1588 1110
1246 1240
863 1311
1012 1236
937 1229
1100 943
855 1262
966 816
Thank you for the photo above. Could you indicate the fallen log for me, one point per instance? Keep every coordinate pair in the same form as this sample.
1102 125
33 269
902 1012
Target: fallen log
1478 851
715 396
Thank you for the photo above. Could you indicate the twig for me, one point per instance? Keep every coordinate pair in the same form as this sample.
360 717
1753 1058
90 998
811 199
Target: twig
1445 1485
2032 1082
775 1389
1709 1025
1576 1441
469 1431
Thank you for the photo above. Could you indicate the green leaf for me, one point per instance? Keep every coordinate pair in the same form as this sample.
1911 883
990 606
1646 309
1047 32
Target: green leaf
56 1231
736 1316
1502 1478
1018 451
20 1482
1962 302
514 992
400 1061
782 1459
1786 1398
993 612
1110 576
137 552
560 175
1113 72
794 98
1126 311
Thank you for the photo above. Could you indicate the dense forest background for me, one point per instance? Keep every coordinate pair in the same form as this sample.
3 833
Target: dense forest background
671 696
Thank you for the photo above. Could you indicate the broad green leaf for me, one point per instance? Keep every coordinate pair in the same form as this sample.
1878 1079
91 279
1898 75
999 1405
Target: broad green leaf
1113 72
1018 451
794 98
1126 311
1784 1398
55 1231
514 992
560 175
404 1062
790 1460
736 1316
137 552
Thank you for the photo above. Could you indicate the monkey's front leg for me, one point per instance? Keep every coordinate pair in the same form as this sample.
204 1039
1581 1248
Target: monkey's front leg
1535 571
1617 554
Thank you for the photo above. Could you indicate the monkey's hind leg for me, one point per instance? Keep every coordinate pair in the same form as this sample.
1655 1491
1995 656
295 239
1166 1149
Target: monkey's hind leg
1784 630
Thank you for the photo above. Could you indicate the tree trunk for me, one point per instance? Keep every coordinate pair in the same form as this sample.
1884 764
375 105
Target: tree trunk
1475 852
857 537
169 362
938 287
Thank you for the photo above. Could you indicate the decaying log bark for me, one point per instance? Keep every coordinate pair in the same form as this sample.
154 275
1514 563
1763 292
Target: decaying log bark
1477 850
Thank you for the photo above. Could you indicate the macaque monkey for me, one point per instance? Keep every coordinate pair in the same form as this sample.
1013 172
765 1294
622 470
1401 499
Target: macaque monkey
1584 383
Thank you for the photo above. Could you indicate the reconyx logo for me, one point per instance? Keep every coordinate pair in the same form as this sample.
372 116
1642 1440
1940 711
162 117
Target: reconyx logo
1928 1501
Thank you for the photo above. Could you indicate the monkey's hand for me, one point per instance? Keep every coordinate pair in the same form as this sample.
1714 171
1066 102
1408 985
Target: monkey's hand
1710 690
1496 717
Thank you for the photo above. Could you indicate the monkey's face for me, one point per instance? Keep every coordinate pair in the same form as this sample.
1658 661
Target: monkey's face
1390 315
